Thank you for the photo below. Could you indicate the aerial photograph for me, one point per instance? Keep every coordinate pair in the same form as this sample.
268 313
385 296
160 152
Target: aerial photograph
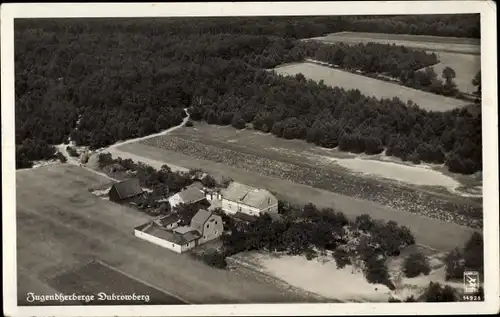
239 160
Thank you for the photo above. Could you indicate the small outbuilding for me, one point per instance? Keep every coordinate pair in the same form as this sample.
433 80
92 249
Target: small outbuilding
189 195
125 190
166 232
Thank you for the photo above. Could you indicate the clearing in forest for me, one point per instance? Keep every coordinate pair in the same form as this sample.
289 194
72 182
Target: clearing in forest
461 54
370 86
431 43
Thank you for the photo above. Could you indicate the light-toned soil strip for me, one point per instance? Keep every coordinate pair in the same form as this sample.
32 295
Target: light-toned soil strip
370 86
438 44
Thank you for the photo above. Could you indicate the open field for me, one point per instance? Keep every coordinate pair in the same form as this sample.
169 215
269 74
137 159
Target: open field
95 277
62 226
461 54
431 43
370 86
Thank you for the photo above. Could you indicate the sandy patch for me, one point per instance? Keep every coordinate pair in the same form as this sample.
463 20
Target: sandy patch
324 278
404 173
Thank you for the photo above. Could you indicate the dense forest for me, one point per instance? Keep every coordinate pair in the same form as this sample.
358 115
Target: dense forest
124 79
454 25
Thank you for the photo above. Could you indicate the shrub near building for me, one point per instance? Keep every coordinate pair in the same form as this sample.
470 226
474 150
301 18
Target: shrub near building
416 264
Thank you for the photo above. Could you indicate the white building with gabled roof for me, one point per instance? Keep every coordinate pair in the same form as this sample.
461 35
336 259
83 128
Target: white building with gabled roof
244 199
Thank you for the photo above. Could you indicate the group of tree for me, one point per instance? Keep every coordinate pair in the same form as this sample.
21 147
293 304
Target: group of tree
294 108
121 79
476 81
459 25
30 150
307 230
416 264
162 181
428 80
468 258
373 58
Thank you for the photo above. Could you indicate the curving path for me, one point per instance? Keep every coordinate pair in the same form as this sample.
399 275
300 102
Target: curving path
115 151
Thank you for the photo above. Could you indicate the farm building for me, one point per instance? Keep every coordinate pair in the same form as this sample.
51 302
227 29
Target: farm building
212 194
243 199
166 232
190 195
125 190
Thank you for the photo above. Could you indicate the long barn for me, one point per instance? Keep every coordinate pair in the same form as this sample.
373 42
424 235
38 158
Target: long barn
125 190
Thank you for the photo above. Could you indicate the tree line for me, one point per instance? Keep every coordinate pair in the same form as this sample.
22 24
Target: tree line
452 25
373 58
117 80
409 67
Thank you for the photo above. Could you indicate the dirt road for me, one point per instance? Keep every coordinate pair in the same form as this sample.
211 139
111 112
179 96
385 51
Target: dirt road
113 149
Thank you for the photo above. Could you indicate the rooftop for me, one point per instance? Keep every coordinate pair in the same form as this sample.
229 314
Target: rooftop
251 196
128 188
169 235
168 219
201 216
183 229
191 195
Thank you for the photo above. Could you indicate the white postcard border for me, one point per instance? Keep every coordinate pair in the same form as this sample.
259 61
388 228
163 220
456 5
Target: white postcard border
490 149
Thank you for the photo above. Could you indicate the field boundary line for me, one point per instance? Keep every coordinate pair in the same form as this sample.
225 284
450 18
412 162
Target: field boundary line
141 281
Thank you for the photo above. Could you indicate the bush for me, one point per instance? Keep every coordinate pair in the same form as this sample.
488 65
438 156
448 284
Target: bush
474 253
364 223
225 182
436 293
104 159
458 164
414 158
454 265
410 299
376 271
394 300
392 238
416 264
341 258
208 181
215 259
373 145
61 157
71 151
189 123
310 254
238 122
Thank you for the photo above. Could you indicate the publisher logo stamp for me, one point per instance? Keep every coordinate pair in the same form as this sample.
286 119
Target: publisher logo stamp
471 282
